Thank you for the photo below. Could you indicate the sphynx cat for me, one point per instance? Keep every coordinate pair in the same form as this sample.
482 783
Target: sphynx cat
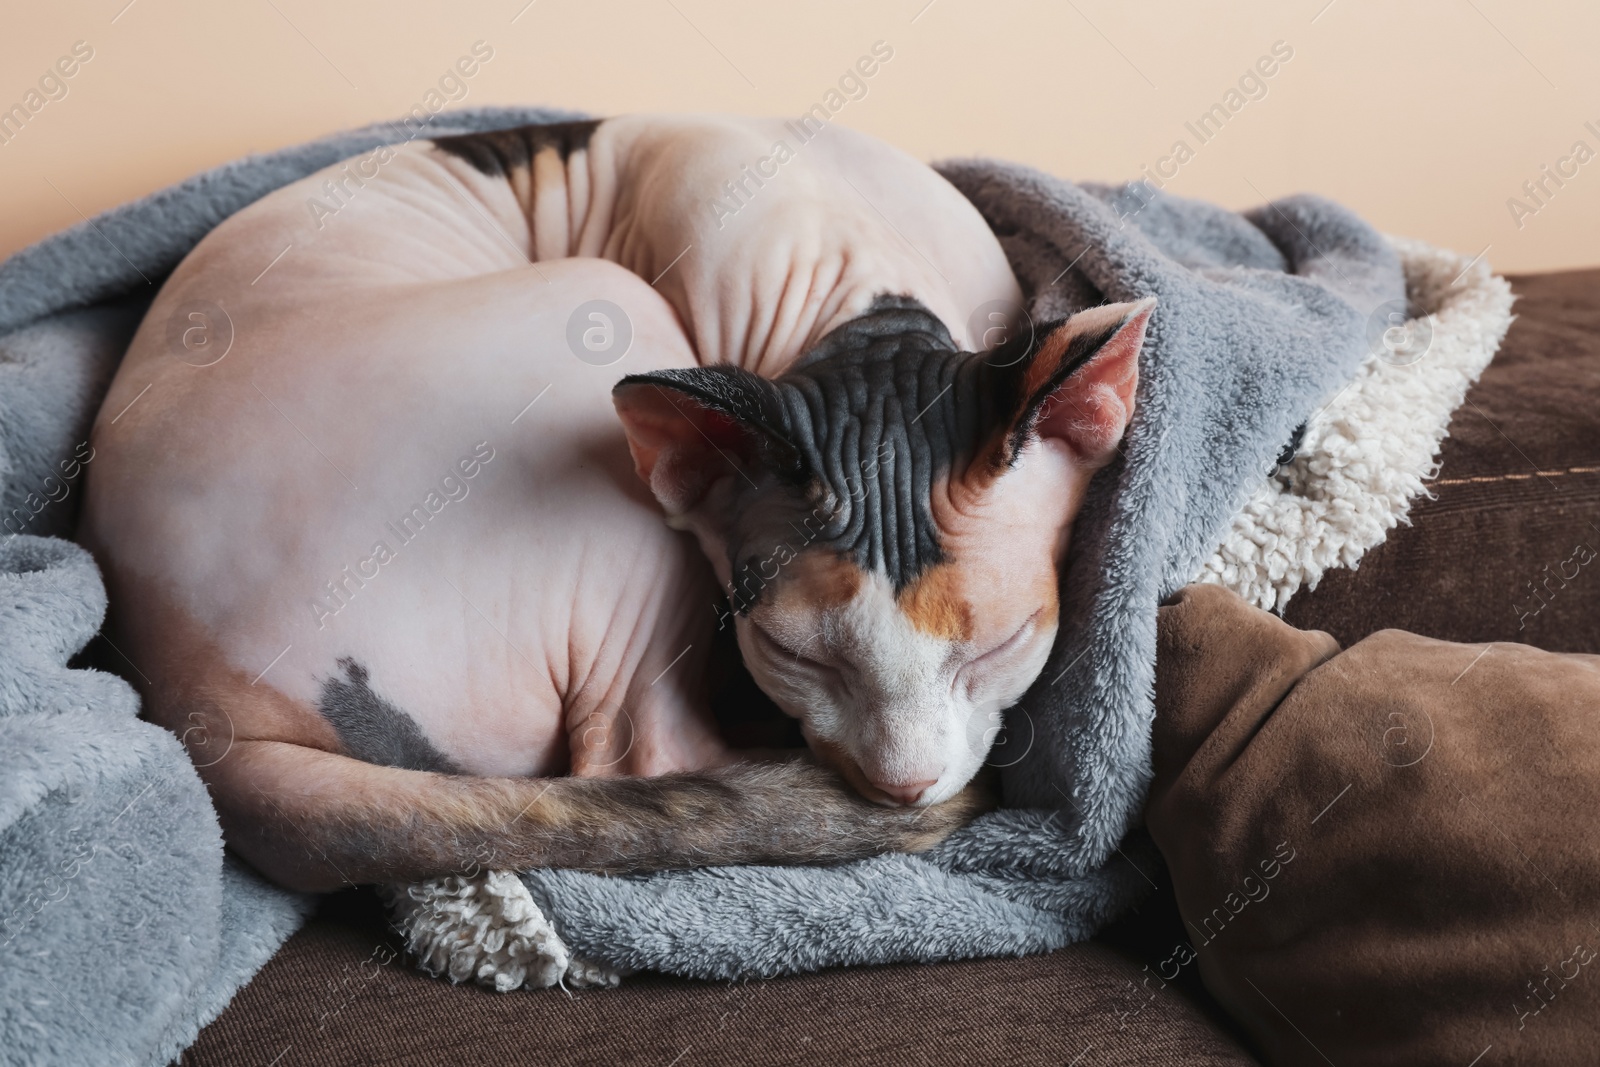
385 557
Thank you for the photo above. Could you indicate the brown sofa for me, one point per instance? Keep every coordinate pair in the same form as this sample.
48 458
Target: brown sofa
1518 488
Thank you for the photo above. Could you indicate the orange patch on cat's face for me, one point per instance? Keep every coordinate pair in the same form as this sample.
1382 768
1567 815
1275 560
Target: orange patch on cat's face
986 588
936 604
819 579
1003 540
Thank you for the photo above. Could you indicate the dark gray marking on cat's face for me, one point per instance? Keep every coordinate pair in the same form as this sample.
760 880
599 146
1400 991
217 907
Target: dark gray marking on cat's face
863 432
373 730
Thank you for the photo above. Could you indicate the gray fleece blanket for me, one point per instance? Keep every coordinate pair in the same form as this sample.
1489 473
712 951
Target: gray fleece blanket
122 926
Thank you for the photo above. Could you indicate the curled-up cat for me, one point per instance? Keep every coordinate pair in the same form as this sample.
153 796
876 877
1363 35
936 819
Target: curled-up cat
382 556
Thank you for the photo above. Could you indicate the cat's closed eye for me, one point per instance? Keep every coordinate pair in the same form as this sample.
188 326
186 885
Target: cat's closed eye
997 655
783 652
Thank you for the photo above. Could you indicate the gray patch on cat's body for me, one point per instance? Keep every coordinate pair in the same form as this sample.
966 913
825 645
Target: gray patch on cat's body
497 153
373 730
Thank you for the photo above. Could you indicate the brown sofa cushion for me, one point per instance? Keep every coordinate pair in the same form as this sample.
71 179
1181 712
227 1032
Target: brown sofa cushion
1456 572
1384 855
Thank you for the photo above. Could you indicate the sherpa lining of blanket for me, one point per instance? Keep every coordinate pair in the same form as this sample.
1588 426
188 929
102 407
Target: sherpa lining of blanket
1372 449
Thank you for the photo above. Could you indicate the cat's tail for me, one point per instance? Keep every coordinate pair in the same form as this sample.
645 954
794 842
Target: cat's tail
317 820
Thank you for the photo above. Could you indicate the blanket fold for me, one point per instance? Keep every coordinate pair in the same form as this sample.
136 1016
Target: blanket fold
115 917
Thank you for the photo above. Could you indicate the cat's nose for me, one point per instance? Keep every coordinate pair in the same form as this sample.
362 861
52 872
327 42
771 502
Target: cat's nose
904 792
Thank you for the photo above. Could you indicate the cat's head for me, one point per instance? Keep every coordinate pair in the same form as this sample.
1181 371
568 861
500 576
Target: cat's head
888 519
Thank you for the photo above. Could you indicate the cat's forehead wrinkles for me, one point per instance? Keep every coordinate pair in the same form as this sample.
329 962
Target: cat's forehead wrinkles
882 411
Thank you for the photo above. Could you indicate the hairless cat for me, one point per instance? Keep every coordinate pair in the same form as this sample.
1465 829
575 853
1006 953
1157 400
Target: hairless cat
394 570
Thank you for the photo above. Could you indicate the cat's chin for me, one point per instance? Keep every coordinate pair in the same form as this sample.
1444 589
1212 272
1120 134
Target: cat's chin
833 756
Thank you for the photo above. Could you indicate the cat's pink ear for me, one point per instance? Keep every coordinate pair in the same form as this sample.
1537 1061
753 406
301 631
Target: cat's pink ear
686 432
680 446
1080 384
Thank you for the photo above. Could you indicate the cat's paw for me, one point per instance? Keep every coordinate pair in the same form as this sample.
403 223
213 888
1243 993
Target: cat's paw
488 930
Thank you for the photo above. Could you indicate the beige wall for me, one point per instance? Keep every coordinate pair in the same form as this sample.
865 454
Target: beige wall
1425 115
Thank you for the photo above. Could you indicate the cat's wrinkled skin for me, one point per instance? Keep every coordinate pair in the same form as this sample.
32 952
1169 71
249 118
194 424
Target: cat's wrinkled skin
387 569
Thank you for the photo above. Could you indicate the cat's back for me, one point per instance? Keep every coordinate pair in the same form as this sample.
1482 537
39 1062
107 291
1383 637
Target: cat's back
364 452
